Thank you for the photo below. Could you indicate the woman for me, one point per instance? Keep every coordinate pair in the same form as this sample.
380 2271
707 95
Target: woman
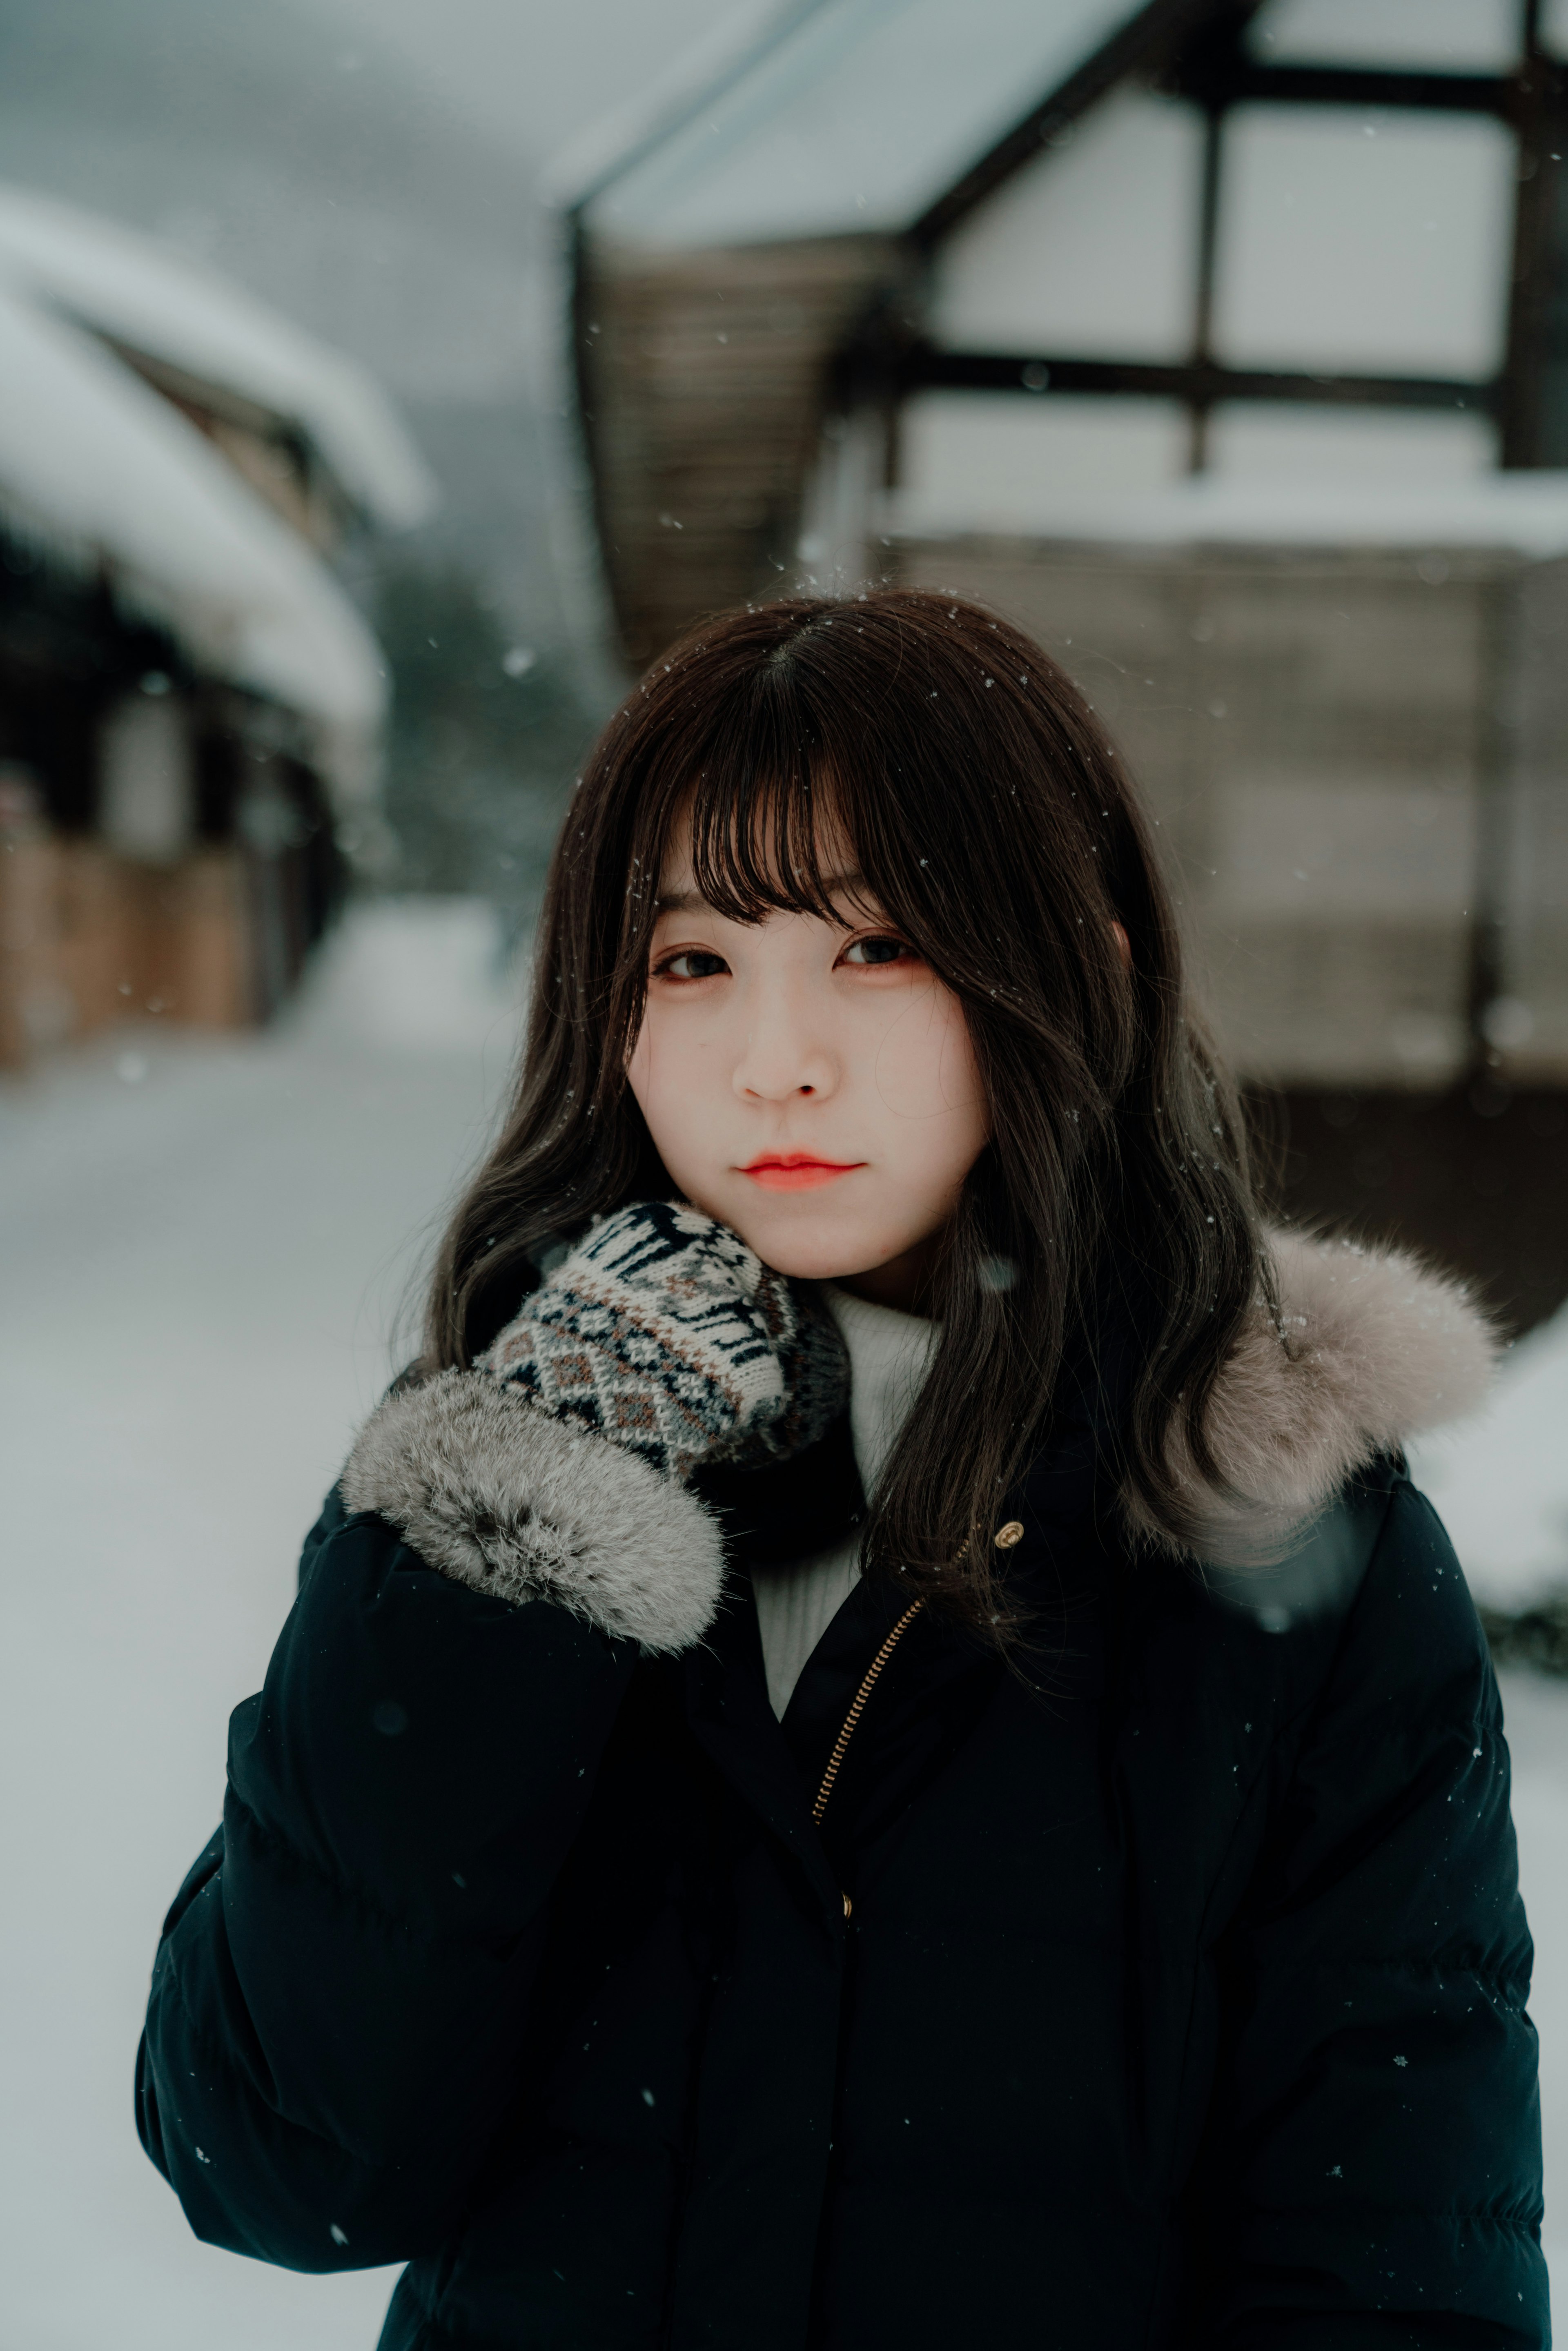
876 1747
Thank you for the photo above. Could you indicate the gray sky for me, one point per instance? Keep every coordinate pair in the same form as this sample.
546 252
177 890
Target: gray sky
537 72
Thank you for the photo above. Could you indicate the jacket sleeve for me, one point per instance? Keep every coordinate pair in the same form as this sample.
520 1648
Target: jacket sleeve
340 1994
340 2000
1375 2153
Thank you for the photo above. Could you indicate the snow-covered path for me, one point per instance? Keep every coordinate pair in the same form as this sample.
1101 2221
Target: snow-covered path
1500 1480
201 1259
203 1245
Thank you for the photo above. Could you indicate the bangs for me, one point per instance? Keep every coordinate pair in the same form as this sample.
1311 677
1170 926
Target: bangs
771 802
768 842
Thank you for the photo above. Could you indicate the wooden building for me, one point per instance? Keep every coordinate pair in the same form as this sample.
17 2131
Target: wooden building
189 704
1224 343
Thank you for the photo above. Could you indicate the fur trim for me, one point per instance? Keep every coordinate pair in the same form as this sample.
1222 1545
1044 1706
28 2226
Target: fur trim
1373 1348
500 1496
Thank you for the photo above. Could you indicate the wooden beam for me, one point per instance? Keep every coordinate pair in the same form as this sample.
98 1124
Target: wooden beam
1202 354
1530 435
925 368
1145 42
1229 77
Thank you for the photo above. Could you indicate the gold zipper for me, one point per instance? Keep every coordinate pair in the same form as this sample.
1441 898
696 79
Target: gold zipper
873 1673
856 1710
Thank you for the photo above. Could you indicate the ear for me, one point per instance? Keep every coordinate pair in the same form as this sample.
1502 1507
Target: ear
1123 946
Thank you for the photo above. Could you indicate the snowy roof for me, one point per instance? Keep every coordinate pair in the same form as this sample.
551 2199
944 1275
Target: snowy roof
1525 513
106 472
803 117
844 114
611 142
159 303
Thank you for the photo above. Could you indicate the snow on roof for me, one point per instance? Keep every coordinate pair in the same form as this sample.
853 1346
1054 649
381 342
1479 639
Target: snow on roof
611 142
1526 513
850 114
103 468
159 303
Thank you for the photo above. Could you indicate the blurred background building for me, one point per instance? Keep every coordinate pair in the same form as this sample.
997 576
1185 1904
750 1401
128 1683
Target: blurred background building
190 704
299 471
1225 346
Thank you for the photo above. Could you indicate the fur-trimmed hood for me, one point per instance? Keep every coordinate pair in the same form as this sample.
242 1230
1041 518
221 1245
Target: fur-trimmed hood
1371 1348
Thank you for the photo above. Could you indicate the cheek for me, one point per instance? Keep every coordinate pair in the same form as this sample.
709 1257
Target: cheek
925 1069
651 1072
666 1070
640 1068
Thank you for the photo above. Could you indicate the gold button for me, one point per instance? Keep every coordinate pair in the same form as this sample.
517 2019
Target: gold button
1011 1533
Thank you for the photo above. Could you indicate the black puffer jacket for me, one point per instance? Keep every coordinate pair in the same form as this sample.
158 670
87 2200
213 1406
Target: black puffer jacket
1179 2001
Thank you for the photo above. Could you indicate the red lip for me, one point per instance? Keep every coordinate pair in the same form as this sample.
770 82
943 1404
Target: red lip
797 1171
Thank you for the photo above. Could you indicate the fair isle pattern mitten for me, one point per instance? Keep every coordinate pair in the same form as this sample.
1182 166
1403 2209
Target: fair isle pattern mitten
663 1333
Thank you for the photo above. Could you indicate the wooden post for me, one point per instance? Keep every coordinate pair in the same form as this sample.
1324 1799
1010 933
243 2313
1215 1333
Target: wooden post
1532 422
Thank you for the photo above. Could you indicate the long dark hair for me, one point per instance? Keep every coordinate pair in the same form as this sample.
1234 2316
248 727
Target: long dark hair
994 823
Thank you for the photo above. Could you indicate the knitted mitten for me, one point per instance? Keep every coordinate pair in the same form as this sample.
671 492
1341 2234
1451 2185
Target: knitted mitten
663 1333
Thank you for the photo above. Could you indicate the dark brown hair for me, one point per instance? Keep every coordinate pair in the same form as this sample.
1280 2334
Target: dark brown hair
991 819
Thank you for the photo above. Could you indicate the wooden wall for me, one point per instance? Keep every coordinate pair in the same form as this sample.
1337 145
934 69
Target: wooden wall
1357 760
87 938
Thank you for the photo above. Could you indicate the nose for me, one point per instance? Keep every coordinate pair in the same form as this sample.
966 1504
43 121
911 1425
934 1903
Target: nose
785 1054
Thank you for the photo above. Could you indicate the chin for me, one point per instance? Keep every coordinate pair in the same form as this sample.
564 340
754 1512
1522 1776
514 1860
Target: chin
803 1262
813 1249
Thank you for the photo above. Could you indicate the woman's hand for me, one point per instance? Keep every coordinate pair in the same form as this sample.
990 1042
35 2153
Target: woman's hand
664 1333
553 1469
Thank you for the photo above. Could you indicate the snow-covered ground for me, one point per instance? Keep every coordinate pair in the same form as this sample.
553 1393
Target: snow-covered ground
204 1247
1501 1480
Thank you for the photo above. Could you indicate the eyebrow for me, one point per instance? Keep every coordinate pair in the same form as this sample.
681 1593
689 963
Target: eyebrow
689 901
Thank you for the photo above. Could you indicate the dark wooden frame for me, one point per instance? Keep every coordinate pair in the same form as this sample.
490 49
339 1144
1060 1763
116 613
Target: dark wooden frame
1200 384
1210 66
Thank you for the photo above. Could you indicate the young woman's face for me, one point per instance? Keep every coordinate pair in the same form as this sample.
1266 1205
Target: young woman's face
814 1088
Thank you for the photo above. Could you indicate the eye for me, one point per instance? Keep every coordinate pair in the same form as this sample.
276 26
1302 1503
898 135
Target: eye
877 952
690 963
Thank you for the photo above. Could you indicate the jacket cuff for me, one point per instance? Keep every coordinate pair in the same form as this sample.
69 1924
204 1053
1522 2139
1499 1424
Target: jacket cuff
499 1495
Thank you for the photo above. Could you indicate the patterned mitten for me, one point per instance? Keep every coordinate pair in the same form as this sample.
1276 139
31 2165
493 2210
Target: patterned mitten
663 1333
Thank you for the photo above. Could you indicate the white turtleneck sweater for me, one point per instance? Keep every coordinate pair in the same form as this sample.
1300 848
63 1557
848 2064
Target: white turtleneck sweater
890 1354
